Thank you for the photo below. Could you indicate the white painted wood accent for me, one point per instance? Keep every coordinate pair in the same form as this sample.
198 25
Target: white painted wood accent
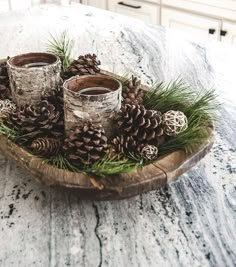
230 36
9 5
145 11
96 3
4 5
153 1
216 8
190 23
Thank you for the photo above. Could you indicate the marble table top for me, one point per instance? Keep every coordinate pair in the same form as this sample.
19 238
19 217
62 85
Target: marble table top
190 222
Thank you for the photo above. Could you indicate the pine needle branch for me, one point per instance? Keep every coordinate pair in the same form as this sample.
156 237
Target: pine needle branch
112 166
200 111
62 47
9 132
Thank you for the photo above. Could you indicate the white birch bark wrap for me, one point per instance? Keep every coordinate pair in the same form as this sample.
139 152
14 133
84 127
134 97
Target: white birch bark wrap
91 97
32 75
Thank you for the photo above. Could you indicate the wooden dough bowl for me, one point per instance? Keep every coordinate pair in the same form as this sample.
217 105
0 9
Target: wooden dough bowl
153 176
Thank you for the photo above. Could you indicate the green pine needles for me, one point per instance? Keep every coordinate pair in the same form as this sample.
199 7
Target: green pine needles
9 132
62 47
199 109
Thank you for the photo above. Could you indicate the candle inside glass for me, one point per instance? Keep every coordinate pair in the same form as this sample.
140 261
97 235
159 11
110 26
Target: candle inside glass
94 91
35 64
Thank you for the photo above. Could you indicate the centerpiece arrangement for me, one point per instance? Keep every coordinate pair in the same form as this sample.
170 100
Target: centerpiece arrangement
72 124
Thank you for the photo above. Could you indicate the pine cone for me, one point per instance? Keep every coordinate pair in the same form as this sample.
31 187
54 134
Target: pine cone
46 146
137 127
132 92
38 121
5 91
84 65
55 97
127 144
85 144
142 124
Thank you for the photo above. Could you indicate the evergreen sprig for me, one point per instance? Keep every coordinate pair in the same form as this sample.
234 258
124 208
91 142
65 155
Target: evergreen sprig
62 47
61 162
9 132
111 166
106 166
199 109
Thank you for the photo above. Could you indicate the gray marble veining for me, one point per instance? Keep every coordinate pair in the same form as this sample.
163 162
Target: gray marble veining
190 222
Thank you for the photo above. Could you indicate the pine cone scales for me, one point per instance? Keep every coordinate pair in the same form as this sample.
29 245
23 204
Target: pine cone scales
55 97
46 146
127 144
40 120
137 127
132 92
4 81
84 65
142 124
85 144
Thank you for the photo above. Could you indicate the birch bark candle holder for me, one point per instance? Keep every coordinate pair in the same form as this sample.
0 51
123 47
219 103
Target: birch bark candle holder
91 97
32 75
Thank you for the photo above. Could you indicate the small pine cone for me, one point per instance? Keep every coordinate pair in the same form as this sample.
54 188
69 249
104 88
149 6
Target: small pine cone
127 144
37 121
5 92
84 65
143 125
132 92
46 147
85 144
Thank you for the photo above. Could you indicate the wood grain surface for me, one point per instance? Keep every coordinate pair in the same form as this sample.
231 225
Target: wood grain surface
147 178
190 222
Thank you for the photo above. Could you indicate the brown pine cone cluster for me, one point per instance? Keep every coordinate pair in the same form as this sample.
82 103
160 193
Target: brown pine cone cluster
137 128
46 147
38 121
4 82
85 144
84 65
132 92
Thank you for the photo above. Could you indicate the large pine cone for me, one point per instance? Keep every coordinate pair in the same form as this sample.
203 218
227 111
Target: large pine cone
137 127
84 65
42 120
132 92
85 144
4 82
142 124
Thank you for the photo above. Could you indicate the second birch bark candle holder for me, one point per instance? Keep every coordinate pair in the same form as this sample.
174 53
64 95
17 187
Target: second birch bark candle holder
91 97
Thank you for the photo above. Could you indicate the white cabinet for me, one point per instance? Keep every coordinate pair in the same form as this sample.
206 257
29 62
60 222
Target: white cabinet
192 24
96 3
147 12
218 8
228 32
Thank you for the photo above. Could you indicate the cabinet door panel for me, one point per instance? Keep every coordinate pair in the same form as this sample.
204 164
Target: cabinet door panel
96 3
220 8
138 9
228 32
192 24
